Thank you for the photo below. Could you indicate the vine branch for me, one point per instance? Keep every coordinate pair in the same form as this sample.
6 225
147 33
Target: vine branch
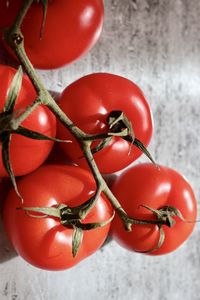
14 38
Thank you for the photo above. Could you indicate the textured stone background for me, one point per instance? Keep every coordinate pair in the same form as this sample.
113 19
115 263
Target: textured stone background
157 45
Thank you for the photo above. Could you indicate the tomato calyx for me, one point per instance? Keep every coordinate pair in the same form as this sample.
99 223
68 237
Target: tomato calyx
119 125
164 217
69 217
10 121
6 121
166 214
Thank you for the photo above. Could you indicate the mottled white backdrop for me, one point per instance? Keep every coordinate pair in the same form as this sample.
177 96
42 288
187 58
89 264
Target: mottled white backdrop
157 45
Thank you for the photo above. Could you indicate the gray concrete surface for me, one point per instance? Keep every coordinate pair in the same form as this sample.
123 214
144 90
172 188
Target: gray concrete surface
157 45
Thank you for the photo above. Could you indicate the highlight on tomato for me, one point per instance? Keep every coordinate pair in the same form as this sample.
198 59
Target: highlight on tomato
145 187
88 103
41 239
70 29
26 154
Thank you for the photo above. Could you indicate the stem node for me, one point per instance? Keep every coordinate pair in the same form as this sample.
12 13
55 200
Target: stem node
17 38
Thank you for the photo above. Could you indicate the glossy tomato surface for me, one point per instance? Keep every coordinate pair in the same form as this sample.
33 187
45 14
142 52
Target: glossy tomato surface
71 29
145 184
26 154
44 242
89 100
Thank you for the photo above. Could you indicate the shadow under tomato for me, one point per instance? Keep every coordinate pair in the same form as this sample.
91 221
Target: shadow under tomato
107 241
5 57
54 94
57 156
110 179
7 251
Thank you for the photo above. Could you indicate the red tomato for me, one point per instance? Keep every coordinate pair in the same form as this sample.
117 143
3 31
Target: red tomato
5 186
145 184
46 243
89 100
71 29
26 154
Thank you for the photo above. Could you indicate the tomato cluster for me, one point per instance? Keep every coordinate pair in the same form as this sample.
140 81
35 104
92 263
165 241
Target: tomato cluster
63 219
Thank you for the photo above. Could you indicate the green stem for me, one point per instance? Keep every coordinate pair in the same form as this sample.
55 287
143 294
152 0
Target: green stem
17 121
54 107
22 13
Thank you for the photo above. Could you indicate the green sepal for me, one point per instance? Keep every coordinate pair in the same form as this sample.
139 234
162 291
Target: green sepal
57 212
173 211
77 238
45 8
6 119
117 121
65 214
5 141
120 126
121 133
169 212
166 214
101 145
86 226
46 211
159 244
78 231
13 92
36 135
141 147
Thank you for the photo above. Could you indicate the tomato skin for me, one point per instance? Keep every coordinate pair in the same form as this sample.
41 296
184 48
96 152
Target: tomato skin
89 100
5 186
45 243
145 184
71 29
26 154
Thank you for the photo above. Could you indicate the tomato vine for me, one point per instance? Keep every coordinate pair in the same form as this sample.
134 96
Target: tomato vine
118 125
14 38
